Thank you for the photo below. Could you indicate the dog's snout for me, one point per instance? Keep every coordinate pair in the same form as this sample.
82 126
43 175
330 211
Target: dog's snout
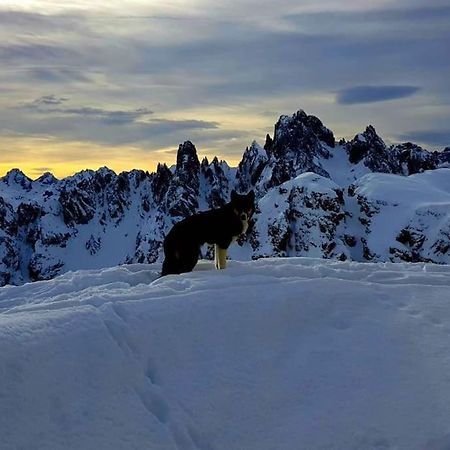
243 216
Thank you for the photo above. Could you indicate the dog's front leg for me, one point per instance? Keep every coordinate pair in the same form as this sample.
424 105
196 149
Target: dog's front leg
220 257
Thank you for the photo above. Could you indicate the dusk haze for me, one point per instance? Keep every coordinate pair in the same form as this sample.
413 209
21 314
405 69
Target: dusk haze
120 84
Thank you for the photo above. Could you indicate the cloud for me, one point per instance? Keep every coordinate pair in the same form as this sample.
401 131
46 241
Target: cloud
435 138
57 74
33 21
371 94
222 68
52 115
45 105
45 100
36 53
39 170
170 124
111 117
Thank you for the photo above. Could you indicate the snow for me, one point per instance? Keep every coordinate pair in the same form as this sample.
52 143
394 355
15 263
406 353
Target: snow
431 186
296 353
342 171
424 198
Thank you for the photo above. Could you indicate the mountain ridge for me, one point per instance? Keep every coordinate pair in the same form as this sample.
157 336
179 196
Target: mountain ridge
97 218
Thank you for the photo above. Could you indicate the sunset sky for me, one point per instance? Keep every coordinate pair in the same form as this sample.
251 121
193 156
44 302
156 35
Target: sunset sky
122 83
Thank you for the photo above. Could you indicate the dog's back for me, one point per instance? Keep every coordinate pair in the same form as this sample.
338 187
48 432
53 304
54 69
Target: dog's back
182 244
220 226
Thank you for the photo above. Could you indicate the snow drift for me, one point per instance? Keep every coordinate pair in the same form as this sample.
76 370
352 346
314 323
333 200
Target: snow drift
294 353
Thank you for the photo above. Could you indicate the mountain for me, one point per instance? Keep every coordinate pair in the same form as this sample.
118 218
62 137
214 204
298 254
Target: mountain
282 353
316 197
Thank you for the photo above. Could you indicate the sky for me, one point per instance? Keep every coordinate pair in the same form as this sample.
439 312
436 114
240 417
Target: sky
117 83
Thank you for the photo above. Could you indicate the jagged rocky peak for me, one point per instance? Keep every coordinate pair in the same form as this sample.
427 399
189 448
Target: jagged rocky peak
160 182
162 173
255 151
103 177
370 149
299 145
136 177
188 165
216 163
413 158
251 166
15 177
182 195
187 158
214 182
363 144
268 143
301 132
443 158
410 148
80 180
47 178
219 166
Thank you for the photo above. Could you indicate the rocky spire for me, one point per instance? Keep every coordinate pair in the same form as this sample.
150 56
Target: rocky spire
16 177
299 143
183 193
251 166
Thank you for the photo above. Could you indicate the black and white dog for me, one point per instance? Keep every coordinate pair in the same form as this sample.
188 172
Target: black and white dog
217 226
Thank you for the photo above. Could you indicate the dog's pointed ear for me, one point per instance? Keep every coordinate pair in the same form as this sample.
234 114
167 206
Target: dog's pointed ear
233 195
251 195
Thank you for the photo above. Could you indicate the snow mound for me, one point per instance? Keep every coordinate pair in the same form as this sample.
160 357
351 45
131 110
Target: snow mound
408 217
426 187
296 353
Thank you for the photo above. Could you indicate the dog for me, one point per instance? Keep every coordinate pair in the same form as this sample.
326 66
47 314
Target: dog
220 227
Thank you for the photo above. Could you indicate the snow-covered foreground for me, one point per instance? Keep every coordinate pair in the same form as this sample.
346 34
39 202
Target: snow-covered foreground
274 354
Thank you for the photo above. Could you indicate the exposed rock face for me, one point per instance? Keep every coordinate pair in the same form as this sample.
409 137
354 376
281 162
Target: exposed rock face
369 148
16 177
314 198
250 168
301 217
413 158
182 195
215 183
406 158
443 158
299 143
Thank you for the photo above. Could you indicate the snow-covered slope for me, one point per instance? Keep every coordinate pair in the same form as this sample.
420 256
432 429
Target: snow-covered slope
98 218
407 216
275 354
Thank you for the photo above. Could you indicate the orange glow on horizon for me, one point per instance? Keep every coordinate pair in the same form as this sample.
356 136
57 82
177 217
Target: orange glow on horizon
35 156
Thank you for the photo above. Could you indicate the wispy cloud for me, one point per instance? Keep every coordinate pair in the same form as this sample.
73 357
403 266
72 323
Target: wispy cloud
45 100
113 117
371 94
45 105
39 170
58 74
186 123
36 53
438 138
52 115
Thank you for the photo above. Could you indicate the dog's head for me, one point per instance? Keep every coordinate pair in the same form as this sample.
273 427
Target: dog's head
243 205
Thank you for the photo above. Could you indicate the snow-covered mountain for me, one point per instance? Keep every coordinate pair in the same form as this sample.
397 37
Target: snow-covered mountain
274 354
359 199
